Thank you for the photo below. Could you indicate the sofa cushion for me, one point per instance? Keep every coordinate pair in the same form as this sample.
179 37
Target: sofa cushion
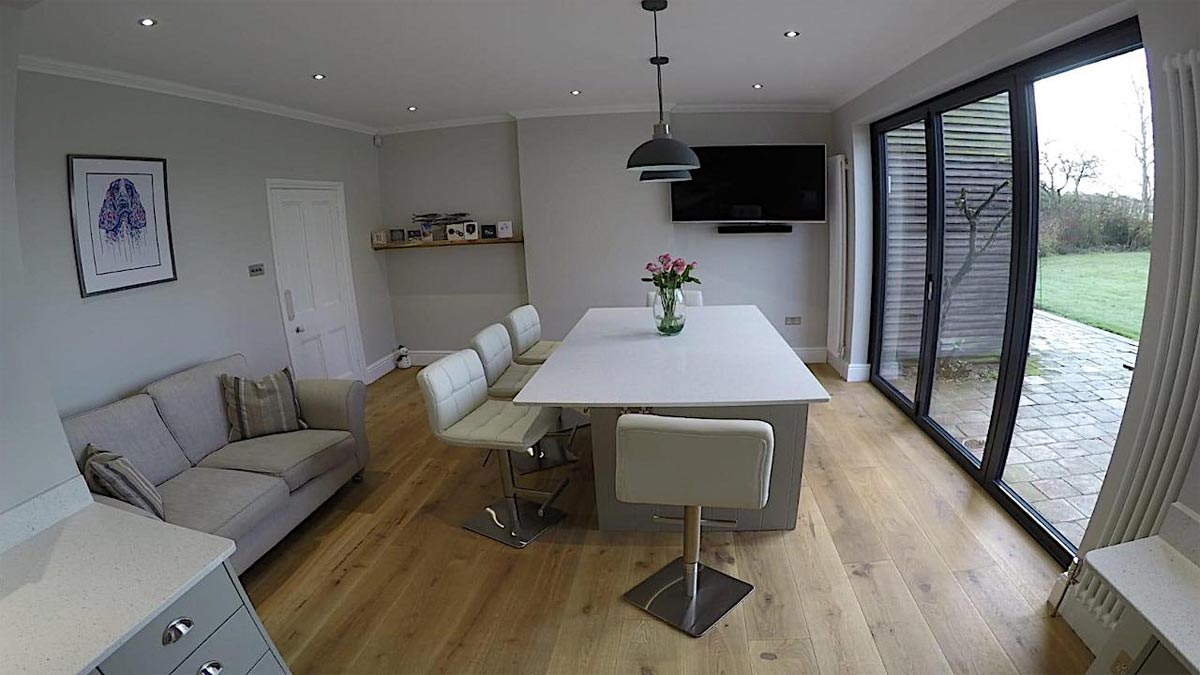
222 502
193 408
131 428
297 457
110 474
261 407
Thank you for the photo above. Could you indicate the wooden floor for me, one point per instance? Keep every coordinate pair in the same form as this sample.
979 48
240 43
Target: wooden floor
900 564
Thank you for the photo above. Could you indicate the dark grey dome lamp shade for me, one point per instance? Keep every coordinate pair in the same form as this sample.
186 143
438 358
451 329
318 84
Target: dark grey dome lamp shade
661 153
665 176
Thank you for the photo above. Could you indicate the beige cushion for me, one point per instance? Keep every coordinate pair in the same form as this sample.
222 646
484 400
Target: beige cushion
500 425
683 461
537 354
222 502
261 407
297 457
110 474
131 428
509 384
193 408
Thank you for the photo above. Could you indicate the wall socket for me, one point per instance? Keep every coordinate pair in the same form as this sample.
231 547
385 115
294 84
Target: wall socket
257 270
791 321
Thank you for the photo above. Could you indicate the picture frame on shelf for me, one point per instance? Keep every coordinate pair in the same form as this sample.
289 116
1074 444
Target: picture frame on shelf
488 231
397 236
455 232
379 238
413 234
470 230
504 229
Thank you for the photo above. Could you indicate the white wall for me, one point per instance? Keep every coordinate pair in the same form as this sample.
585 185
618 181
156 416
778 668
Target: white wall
34 456
218 159
441 297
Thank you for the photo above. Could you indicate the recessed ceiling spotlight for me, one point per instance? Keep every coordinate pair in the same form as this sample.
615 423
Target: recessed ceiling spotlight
792 34
318 76
758 85
412 108
147 22
575 92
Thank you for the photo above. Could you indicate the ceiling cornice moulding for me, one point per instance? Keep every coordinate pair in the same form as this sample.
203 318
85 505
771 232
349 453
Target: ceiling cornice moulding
445 124
38 64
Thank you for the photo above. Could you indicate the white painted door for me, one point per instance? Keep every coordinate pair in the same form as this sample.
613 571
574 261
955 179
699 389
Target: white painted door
312 266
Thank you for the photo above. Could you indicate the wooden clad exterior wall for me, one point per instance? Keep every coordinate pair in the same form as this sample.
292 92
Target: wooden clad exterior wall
978 158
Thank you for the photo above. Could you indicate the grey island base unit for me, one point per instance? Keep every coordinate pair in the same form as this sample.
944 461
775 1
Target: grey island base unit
104 591
728 363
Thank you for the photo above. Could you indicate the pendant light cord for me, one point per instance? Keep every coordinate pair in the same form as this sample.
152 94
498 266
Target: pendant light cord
658 68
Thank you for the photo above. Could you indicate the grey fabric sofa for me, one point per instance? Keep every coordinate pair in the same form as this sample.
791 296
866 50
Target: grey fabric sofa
254 491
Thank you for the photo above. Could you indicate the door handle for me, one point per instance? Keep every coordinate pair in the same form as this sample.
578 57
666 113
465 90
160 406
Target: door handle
299 329
929 288
287 303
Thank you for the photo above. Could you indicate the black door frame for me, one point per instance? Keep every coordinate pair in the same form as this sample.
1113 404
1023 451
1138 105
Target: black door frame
1017 81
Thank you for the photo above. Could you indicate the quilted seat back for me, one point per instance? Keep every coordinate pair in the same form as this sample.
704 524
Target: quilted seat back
453 386
494 350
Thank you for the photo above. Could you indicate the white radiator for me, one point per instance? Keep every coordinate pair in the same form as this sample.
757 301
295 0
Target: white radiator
835 187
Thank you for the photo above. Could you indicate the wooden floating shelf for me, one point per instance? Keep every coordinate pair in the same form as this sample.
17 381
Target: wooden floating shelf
446 243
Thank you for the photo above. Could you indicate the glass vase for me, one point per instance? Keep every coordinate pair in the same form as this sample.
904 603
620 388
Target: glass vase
669 311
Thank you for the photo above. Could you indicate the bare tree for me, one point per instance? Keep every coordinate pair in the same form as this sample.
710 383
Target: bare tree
1062 171
1143 147
974 215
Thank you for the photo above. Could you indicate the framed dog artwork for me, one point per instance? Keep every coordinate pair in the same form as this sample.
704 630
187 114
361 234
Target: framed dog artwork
120 222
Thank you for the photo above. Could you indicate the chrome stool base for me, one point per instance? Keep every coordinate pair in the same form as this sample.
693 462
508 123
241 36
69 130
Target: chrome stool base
549 453
664 596
497 521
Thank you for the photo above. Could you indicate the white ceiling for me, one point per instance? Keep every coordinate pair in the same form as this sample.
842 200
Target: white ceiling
468 59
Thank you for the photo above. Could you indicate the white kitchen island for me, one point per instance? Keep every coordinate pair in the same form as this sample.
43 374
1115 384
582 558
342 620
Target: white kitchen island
729 362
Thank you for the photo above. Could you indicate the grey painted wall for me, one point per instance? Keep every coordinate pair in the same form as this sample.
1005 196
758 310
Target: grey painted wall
34 456
442 297
589 225
218 160
784 274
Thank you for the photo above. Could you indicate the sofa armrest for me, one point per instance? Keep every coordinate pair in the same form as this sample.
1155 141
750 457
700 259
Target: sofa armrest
124 506
336 404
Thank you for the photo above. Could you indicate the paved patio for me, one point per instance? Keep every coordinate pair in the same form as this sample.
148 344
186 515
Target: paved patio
1071 406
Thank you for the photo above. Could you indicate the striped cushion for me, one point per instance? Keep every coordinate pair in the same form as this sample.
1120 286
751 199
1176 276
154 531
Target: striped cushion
260 407
113 475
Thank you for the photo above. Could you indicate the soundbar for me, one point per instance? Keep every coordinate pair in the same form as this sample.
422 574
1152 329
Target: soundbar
761 228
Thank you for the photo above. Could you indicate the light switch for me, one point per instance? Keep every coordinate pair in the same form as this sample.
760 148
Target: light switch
257 270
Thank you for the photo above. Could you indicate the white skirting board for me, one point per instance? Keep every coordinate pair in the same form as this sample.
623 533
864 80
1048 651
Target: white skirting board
424 357
810 354
381 367
850 372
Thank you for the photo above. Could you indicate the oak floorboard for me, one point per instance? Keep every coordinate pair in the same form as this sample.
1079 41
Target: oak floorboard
383 579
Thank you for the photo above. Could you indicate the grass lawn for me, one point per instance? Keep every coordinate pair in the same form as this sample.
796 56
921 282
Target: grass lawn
1105 290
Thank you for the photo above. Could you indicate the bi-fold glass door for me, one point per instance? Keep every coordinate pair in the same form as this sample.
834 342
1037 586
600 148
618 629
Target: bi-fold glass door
956 254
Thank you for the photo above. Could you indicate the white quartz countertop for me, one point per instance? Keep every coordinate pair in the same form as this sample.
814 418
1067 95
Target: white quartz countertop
1162 584
726 356
72 593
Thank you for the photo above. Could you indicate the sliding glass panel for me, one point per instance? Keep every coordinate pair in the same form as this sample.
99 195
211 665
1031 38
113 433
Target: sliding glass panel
1095 172
976 250
904 257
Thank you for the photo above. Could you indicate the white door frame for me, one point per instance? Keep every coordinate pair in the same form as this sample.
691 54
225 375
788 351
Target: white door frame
342 244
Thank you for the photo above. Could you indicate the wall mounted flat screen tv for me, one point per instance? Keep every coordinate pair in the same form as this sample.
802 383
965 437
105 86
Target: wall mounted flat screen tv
753 184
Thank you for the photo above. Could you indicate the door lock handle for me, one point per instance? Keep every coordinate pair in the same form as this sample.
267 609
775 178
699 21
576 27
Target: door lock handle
287 303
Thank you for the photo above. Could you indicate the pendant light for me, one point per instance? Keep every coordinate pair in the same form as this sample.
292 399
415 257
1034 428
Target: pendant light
662 158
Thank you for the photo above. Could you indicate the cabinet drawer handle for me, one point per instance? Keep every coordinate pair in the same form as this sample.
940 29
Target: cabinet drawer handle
211 668
177 629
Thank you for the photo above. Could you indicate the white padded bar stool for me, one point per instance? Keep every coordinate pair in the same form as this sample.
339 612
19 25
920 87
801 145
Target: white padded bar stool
504 377
525 330
692 463
690 298
505 380
461 415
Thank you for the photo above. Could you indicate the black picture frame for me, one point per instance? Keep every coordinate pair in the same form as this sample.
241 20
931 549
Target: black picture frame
87 287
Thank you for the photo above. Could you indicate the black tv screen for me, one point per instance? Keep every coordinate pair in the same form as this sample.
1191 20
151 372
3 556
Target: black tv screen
753 184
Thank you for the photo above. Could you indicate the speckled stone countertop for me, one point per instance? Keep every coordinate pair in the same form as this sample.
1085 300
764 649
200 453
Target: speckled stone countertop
74 592
1162 584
